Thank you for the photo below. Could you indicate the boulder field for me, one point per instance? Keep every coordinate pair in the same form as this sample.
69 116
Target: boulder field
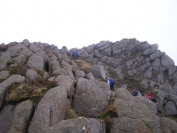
44 90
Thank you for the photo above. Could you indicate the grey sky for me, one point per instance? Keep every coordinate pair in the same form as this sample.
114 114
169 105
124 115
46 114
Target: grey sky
78 23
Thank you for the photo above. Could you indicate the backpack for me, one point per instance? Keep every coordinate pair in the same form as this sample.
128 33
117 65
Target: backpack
111 81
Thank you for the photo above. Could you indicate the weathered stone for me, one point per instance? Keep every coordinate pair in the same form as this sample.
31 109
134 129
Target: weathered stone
68 68
4 74
101 44
6 118
98 71
90 48
64 50
172 70
160 78
152 84
33 48
168 125
4 58
167 62
144 66
22 114
151 50
128 107
117 52
145 46
6 83
26 42
144 85
32 75
104 59
46 75
129 125
52 78
55 69
50 111
90 76
148 73
166 89
25 52
79 125
155 55
67 82
36 62
88 90
174 77
170 108
79 73
156 65
14 50
20 59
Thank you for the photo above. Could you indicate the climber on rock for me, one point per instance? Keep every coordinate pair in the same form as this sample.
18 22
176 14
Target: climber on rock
149 96
111 83
136 93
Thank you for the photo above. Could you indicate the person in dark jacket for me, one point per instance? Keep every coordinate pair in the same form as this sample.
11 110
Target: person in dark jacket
136 93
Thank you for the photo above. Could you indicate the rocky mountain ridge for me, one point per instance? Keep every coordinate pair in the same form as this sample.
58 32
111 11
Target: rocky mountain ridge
42 89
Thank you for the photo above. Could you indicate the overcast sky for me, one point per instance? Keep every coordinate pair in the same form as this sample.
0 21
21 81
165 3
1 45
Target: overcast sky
78 23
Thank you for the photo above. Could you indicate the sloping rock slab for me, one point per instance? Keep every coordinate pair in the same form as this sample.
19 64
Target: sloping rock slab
50 110
79 125
91 97
98 71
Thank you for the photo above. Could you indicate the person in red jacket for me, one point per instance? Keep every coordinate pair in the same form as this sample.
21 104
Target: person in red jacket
149 96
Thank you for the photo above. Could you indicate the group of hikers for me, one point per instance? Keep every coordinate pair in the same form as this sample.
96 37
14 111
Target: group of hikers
135 92
149 96
75 54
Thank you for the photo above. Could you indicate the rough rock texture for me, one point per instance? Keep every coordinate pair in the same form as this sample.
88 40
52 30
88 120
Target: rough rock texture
22 114
36 62
90 76
14 119
128 107
32 75
168 125
50 111
79 125
6 83
98 71
4 74
89 90
79 73
67 82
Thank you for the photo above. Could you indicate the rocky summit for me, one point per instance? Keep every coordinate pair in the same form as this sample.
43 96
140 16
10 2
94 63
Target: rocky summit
44 90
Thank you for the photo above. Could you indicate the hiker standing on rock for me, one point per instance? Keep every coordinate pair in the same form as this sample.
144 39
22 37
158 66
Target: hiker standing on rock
111 83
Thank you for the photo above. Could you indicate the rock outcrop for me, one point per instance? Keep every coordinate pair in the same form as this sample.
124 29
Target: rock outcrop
43 90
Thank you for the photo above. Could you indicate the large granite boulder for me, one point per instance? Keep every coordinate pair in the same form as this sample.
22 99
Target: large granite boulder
168 125
20 59
32 75
134 110
170 108
98 71
166 61
26 42
129 125
14 119
4 74
14 50
6 83
4 58
79 125
79 73
36 62
91 97
166 89
22 114
67 82
90 76
50 111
